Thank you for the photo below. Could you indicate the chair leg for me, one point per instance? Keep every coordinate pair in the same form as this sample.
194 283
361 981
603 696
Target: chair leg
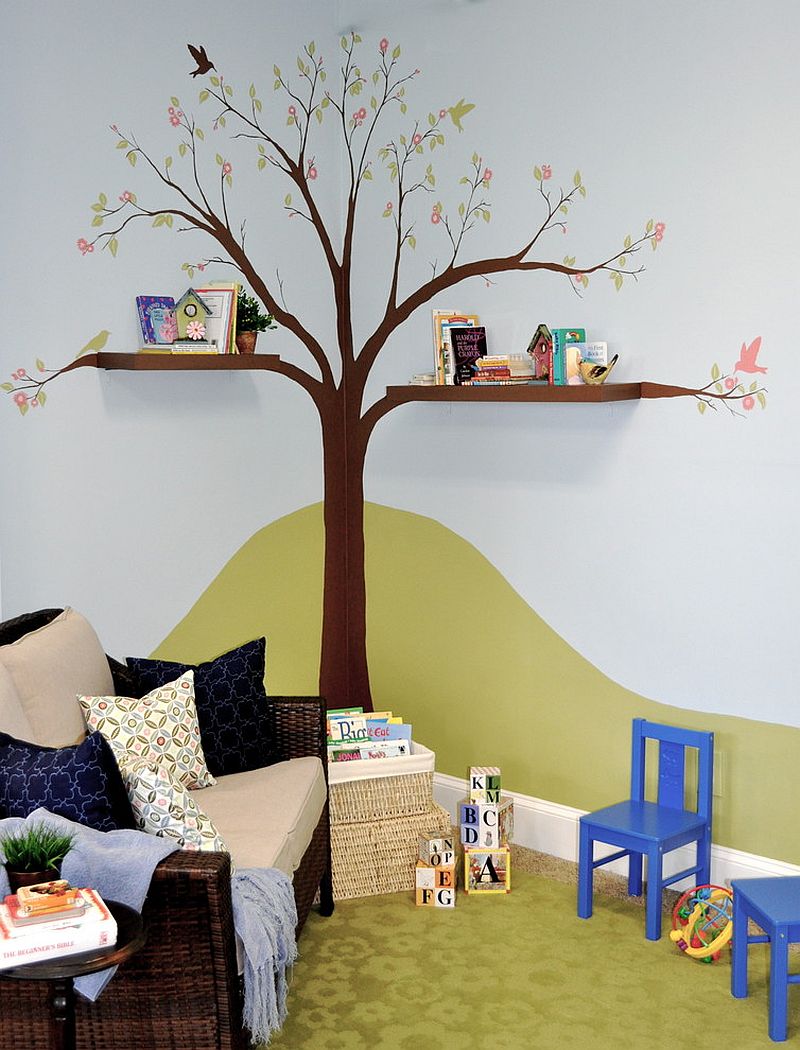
704 859
653 902
585 872
635 875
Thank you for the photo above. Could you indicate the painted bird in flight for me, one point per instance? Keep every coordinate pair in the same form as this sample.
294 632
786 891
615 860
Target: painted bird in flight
594 374
747 357
459 111
202 60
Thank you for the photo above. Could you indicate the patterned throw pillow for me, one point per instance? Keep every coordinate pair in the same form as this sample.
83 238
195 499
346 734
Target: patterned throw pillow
81 783
162 806
160 727
231 704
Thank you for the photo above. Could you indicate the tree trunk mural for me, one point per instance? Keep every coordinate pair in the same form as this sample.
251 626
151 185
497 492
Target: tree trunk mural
198 201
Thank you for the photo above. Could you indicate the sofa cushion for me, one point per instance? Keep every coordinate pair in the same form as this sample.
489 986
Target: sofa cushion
268 816
163 806
13 719
231 704
50 667
159 727
81 782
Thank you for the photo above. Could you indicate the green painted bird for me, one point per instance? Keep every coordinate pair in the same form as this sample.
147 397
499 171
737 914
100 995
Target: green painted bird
459 111
95 344
594 374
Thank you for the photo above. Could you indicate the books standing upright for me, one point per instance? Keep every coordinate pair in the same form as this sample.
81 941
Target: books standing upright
443 321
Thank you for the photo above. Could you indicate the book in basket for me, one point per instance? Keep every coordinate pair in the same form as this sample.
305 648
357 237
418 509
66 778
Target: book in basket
95 927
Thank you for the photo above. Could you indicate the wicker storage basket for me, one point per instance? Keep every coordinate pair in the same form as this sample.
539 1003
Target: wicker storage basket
379 856
382 789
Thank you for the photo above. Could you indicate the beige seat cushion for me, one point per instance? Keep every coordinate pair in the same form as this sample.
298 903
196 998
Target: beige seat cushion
267 816
13 719
50 667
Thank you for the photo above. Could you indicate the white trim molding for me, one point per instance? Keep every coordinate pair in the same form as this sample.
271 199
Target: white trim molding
551 828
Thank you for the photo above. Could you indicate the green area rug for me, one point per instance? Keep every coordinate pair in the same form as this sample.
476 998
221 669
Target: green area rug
516 972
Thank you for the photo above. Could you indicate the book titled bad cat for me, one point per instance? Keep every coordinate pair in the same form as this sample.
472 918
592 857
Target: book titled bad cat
468 346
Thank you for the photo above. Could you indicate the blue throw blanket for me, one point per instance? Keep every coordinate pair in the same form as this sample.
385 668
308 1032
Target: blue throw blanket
120 865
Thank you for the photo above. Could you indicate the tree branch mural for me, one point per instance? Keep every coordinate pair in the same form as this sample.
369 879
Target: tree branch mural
182 195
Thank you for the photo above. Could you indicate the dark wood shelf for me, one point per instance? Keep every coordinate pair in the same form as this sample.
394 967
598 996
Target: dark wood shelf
178 362
539 392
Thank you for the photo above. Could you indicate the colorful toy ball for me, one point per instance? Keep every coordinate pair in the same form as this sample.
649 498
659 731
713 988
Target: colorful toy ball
702 922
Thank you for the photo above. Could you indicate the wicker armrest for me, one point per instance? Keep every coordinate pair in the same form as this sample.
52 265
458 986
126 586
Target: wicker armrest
299 726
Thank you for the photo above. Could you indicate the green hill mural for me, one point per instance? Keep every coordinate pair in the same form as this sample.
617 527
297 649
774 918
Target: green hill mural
483 679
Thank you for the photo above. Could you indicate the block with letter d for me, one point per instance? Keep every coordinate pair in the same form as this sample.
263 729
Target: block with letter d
479 824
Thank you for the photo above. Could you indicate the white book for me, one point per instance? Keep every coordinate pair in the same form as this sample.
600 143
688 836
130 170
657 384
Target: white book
94 928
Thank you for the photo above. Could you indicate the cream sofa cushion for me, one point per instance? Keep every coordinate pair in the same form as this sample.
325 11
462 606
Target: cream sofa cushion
50 667
267 816
13 719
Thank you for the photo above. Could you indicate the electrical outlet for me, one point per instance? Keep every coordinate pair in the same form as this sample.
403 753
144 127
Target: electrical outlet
719 774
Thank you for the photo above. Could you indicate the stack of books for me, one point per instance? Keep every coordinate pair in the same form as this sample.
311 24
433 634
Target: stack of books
352 734
52 919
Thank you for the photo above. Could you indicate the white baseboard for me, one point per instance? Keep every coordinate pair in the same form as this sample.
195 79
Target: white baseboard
552 828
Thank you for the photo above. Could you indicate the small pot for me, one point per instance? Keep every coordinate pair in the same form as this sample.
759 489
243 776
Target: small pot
246 342
30 878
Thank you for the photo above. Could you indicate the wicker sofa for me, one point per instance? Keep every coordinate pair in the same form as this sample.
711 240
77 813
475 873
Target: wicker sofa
182 990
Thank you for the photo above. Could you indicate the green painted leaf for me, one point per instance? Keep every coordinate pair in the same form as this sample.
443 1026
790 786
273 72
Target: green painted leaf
252 91
7 386
200 133
325 102
754 386
653 243
168 162
229 91
649 226
221 121
396 52
276 71
228 180
276 85
132 159
356 38
701 407
718 387
367 174
175 102
113 245
123 144
618 281
761 399
97 220
564 209
204 95
41 397
102 199
158 220
622 260
628 241
97 207
40 364
343 43
257 104
219 159
182 149
537 173
287 200
715 372
486 215
582 191
262 163
576 178
461 209
312 47
387 212
215 81
403 107
23 408
373 102
318 115
412 242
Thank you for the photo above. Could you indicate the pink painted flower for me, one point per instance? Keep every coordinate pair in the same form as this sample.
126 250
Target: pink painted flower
659 230
547 171
20 398
362 113
384 46
292 111
35 402
21 373
748 403
83 246
196 330
435 217
578 278
417 139
487 174
730 383
389 205
201 267
126 196
312 172
226 168
442 114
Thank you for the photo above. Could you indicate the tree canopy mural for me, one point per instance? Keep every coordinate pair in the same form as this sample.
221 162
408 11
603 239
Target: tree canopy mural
193 189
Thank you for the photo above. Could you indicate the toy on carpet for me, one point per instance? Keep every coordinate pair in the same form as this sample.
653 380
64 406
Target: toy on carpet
702 922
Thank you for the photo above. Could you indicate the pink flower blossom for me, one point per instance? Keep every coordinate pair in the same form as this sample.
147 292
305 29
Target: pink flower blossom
362 113
435 217
487 174
226 168
442 114
84 246
578 277
126 196
547 171
384 46
389 205
20 398
196 330
175 122
35 402
417 139
730 383
170 109
312 173
201 267
659 230
292 111
22 373
748 403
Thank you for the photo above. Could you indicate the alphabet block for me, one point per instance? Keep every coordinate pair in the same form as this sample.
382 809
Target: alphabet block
435 887
487 871
437 850
481 780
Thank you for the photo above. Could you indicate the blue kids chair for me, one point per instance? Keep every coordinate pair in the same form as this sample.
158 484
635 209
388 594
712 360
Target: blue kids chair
651 829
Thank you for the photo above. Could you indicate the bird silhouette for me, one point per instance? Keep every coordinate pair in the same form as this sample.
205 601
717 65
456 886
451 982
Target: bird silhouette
95 344
594 374
202 60
459 111
747 357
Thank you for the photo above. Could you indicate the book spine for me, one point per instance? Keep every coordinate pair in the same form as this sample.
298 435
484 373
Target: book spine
147 331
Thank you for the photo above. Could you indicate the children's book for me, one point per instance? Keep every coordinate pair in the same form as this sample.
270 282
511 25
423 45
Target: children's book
94 928
443 321
596 353
468 344
156 318
561 338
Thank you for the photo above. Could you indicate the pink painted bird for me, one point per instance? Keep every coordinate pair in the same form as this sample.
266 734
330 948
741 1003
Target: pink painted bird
747 357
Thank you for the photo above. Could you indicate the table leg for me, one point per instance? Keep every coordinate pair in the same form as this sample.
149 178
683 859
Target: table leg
778 987
63 1014
739 949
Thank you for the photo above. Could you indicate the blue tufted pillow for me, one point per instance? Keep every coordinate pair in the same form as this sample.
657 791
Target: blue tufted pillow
231 703
81 782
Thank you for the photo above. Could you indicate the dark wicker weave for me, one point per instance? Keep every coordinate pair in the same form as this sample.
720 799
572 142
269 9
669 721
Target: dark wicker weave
181 991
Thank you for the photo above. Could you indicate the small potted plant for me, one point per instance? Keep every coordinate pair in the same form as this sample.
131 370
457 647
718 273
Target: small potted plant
249 322
34 854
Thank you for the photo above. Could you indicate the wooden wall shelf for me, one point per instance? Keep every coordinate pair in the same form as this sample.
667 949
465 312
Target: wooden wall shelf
534 392
177 362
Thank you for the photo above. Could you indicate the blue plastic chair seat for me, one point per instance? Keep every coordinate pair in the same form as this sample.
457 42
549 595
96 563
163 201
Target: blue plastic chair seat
774 905
647 820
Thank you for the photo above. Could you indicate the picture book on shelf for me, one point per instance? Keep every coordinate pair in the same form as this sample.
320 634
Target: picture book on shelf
561 337
468 343
596 353
443 322
156 318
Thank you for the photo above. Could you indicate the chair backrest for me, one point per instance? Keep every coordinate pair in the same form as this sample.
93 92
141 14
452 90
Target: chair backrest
672 744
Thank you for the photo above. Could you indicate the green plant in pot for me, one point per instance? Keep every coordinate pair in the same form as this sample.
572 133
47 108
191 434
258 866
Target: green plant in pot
250 320
34 854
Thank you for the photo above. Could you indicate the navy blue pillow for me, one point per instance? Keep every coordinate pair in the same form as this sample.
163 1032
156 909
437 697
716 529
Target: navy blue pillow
81 783
232 709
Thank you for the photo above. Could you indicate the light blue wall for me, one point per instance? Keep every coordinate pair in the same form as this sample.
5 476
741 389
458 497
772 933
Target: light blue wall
658 542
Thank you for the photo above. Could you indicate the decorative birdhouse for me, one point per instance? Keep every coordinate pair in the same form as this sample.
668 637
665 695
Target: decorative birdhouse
191 314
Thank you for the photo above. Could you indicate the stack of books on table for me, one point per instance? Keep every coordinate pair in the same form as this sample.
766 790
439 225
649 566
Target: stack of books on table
354 734
52 919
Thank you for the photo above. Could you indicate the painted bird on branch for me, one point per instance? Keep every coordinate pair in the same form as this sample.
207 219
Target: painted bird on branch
202 60
594 374
747 357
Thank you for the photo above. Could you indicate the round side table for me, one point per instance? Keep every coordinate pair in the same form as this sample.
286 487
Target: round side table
61 973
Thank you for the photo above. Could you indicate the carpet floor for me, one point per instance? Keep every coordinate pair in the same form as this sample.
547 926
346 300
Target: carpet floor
516 972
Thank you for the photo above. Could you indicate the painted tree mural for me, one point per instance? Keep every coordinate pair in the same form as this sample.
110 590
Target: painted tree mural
193 189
